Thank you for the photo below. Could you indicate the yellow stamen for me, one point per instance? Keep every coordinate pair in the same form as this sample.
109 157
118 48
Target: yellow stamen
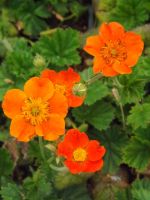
112 51
35 110
79 155
60 88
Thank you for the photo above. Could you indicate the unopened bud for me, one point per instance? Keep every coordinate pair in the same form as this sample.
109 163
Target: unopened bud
79 89
51 147
39 61
116 94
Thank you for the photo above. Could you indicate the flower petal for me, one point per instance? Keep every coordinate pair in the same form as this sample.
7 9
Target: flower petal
65 149
53 128
105 32
39 88
134 45
99 63
52 75
121 68
133 42
108 71
112 31
76 138
132 58
58 104
75 101
93 166
93 45
95 151
117 30
21 129
75 167
12 103
68 77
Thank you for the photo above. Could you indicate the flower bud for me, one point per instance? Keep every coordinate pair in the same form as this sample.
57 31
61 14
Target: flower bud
39 61
79 89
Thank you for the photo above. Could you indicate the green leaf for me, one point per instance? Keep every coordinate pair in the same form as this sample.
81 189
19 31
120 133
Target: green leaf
37 187
114 141
31 16
77 8
64 180
6 163
143 134
136 153
79 192
14 68
10 192
61 48
99 114
123 195
87 74
135 11
81 113
132 86
141 189
96 91
139 116
132 89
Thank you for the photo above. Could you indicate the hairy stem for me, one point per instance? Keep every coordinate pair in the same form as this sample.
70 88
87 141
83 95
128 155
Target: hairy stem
94 78
42 148
122 115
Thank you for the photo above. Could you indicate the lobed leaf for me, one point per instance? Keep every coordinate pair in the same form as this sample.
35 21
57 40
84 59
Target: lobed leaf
61 48
99 114
139 116
141 189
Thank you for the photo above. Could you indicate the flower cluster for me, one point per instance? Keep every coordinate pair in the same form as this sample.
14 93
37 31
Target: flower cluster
41 107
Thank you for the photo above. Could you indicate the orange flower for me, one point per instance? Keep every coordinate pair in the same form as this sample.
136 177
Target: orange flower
115 51
82 155
35 111
63 82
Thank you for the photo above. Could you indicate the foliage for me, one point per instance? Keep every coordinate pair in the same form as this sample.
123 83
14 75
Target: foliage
35 35
114 141
141 189
6 164
136 153
94 114
136 11
10 192
61 48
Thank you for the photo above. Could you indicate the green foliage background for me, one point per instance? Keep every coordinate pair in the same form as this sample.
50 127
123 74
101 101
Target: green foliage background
35 35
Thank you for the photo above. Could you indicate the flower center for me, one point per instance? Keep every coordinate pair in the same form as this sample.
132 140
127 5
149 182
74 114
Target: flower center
79 155
35 110
113 50
60 88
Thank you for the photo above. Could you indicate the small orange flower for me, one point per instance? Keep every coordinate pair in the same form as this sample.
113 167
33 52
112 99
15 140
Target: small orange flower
115 51
82 154
37 110
63 82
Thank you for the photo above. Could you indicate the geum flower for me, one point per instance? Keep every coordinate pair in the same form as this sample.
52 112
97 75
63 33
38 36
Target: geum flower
38 110
115 51
81 154
63 82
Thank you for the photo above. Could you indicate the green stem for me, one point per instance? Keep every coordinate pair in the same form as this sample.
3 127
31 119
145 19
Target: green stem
42 148
94 78
7 44
118 99
122 115
58 169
